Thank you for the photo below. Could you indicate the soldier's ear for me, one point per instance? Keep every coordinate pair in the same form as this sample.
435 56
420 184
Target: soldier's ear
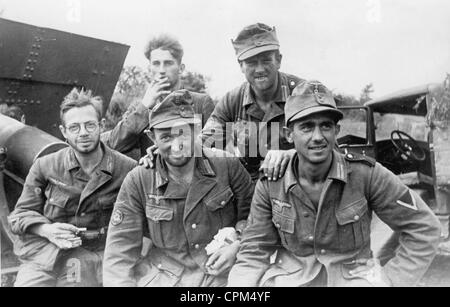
182 68
279 57
338 129
63 131
241 65
102 125
288 134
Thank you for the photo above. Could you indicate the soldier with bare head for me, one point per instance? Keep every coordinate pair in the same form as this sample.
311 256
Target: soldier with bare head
64 210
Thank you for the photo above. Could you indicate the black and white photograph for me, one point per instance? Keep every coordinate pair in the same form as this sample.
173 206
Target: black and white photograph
225 147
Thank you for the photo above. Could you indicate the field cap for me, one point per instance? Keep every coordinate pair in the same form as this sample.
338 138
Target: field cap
255 39
310 97
175 110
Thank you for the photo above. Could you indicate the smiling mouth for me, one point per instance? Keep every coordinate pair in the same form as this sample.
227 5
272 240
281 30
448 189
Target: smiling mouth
180 156
261 78
321 147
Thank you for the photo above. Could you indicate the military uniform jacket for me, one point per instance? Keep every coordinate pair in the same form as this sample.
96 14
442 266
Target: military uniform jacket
336 234
57 190
238 118
129 132
219 196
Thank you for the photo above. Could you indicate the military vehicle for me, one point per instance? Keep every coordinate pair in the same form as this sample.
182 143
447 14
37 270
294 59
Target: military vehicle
38 67
409 133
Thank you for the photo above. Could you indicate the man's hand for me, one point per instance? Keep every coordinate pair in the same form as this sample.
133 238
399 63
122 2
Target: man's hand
148 161
275 163
157 88
223 259
62 235
372 271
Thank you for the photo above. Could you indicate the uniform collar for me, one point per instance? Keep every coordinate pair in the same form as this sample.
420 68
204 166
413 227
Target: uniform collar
281 94
106 165
339 170
202 165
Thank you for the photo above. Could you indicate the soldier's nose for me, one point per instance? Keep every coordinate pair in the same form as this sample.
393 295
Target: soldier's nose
317 134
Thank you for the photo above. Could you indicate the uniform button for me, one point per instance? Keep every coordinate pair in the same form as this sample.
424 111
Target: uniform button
52 200
311 238
357 218
280 261
323 252
197 246
83 214
223 203
159 266
194 226
277 225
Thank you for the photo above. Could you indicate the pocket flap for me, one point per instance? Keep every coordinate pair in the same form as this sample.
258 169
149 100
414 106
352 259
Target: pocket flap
165 263
352 212
108 201
58 198
283 223
219 200
156 213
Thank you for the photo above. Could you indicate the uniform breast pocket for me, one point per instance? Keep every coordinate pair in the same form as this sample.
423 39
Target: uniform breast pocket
158 218
107 202
222 209
353 225
286 230
56 206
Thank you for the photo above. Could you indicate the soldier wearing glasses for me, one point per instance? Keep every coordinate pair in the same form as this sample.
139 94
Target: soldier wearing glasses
62 215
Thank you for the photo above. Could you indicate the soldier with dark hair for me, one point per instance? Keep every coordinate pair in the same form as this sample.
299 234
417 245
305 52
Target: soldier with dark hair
318 216
165 55
66 203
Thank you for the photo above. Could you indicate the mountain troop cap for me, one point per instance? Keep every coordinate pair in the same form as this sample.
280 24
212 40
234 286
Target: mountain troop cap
255 39
175 110
310 97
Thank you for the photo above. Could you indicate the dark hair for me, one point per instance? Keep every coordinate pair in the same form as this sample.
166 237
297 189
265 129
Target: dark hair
165 42
81 98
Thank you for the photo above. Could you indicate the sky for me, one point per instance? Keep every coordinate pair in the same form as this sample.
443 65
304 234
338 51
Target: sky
346 44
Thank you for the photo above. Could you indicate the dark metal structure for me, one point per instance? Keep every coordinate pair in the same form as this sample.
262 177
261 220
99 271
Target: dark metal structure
38 67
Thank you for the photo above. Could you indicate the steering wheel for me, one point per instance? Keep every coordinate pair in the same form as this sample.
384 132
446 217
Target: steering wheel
414 153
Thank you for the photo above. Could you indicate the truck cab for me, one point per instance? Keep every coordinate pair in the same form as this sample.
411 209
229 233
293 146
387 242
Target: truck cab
408 133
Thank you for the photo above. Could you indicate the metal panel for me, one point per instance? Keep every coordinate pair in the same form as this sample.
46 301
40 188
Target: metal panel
39 66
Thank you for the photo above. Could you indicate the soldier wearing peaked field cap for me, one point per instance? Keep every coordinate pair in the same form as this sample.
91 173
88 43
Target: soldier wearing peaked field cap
181 204
255 39
318 215
253 113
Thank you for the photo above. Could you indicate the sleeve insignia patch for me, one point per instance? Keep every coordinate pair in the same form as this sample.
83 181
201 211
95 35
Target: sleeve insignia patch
117 218
408 201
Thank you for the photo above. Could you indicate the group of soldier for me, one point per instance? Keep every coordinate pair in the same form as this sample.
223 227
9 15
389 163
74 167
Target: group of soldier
249 192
